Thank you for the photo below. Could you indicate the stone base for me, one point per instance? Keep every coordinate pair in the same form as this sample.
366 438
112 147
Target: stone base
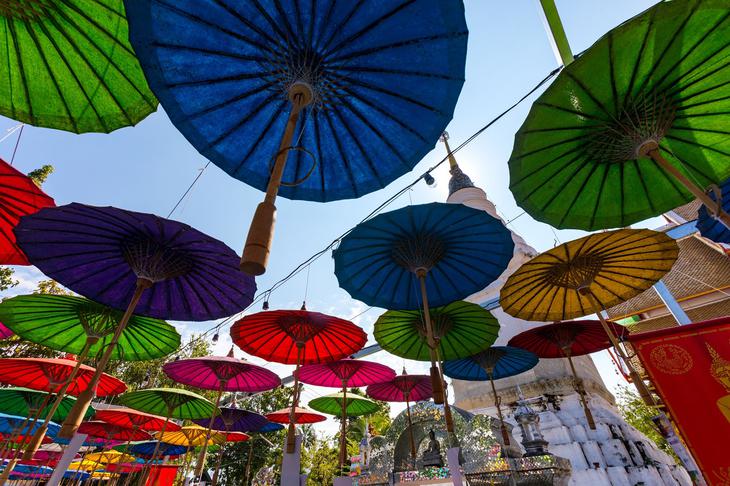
342 481
454 466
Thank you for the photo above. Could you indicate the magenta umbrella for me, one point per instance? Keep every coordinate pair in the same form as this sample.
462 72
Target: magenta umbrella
222 373
404 388
341 374
5 332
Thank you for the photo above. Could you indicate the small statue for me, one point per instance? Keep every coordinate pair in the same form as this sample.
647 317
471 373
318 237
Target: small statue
432 455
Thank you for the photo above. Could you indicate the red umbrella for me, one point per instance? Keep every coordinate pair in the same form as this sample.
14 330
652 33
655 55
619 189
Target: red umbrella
236 437
109 431
222 373
297 337
19 196
342 374
565 340
133 419
404 388
301 416
51 374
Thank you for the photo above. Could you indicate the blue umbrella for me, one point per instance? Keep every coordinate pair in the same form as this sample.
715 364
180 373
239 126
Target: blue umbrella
711 227
76 475
492 364
386 260
269 427
146 449
19 425
358 92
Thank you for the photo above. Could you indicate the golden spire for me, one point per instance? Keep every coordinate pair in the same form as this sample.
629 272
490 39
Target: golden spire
458 180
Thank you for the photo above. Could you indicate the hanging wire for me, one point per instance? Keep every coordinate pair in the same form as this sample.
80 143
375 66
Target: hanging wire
267 293
190 188
17 142
9 132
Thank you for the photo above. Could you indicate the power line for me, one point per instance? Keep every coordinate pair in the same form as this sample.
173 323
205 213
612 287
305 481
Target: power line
266 293
187 191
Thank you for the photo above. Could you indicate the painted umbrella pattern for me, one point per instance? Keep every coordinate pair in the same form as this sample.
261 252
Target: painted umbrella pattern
379 72
657 86
19 196
68 65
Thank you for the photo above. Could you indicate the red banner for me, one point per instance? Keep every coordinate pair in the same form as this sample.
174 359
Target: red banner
690 368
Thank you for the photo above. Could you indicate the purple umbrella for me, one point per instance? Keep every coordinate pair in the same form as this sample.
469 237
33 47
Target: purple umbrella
222 373
134 261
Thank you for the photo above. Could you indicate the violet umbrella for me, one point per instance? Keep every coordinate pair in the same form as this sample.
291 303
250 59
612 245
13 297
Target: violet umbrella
222 373
404 388
342 374
135 261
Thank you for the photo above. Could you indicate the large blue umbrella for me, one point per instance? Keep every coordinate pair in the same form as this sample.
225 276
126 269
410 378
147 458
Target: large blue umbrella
20 425
708 224
146 449
492 364
421 256
358 92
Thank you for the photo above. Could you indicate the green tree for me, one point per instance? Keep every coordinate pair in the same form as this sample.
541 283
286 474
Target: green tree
322 462
51 287
639 415
6 278
40 175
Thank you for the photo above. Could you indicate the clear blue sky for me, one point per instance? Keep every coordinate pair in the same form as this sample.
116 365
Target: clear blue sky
148 167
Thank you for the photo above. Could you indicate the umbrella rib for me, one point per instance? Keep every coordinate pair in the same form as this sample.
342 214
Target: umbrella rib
274 116
21 70
343 156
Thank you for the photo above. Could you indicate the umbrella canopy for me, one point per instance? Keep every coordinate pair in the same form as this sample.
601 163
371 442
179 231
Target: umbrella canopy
345 373
588 275
402 388
145 449
5 332
192 436
18 425
645 101
110 457
237 437
707 223
374 74
21 439
102 252
301 416
494 363
235 420
133 419
462 250
19 196
169 402
49 374
268 428
460 329
563 339
355 405
66 323
27 402
85 466
224 373
291 336
69 66
109 431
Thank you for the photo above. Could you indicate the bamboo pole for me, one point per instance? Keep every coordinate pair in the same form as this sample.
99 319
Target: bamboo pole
498 403
410 432
290 440
581 391
261 232
436 383
343 431
204 449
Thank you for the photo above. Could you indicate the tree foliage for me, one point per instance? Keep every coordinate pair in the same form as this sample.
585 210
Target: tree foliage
40 175
321 462
639 415
51 287
6 278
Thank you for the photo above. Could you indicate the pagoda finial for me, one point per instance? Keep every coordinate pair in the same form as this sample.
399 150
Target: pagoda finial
230 353
458 180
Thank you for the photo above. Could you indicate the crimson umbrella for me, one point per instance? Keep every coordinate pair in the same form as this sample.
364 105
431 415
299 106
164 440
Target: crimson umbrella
111 432
300 416
404 388
222 373
19 196
5 332
297 337
135 261
565 340
342 374
134 419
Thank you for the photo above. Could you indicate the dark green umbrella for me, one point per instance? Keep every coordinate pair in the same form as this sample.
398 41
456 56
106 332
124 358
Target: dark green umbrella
332 405
634 127
68 64
68 323
26 402
460 328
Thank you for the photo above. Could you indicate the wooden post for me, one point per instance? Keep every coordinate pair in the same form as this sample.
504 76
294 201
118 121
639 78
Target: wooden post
410 433
290 437
76 415
497 402
261 232
651 149
436 385
343 440
204 449
581 392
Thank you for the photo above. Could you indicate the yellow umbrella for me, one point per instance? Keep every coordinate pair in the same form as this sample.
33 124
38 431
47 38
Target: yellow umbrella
102 475
110 457
85 465
589 275
191 436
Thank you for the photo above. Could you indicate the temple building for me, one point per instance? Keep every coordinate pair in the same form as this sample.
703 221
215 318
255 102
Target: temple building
613 454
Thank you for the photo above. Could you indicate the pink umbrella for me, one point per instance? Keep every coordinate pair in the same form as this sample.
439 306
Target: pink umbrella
342 374
222 373
404 388
5 332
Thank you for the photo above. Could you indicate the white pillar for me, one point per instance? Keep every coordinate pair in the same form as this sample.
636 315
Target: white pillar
68 455
291 464
452 456
674 308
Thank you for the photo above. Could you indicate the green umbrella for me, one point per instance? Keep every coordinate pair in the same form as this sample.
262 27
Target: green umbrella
460 328
26 402
332 405
634 127
170 403
68 64
67 323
